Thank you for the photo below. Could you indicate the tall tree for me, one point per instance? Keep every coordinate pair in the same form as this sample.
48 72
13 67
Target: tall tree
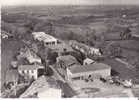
126 34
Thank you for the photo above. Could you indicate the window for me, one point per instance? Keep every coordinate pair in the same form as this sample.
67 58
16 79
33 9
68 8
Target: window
23 72
76 78
89 76
53 42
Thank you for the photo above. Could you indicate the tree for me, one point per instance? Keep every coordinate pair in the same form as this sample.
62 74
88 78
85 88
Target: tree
44 54
126 34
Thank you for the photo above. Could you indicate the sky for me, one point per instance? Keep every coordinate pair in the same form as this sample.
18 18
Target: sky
68 2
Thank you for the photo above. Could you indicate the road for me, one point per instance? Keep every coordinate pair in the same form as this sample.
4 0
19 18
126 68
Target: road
65 86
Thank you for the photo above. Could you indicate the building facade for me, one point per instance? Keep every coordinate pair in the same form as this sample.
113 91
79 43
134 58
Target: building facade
46 38
32 71
95 71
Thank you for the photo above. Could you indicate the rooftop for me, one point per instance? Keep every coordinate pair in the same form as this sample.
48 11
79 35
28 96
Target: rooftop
68 59
60 47
89 60
88 68
30 67
45 37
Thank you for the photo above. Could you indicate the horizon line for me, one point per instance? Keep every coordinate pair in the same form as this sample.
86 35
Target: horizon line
73 5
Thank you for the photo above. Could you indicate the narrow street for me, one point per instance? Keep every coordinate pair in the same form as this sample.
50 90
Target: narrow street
65 86
56 75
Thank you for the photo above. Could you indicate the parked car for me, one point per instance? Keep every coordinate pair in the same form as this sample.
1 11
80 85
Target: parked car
127 83
107 79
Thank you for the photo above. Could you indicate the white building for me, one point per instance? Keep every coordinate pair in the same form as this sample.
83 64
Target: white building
46 38
88 61
95 51
95 70
32 71
85 48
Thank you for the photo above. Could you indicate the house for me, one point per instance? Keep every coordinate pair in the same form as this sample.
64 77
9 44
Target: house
85 49
38 35
88 61
12 77
32 71
46 38
63 62
66 61
95 70
32 57
29 55
61 48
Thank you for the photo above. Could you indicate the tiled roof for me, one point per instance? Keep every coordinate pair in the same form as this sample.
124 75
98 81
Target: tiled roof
45 37
61 47
68 59
88 68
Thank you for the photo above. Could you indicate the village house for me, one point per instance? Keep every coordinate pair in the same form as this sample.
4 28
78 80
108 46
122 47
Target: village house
46 38
12 77
85 49
29 55
88 61
95 71
61 48
63 62
32 71
66 61
32 57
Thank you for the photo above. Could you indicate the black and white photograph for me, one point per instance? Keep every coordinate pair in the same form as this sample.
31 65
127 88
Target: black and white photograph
69 49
